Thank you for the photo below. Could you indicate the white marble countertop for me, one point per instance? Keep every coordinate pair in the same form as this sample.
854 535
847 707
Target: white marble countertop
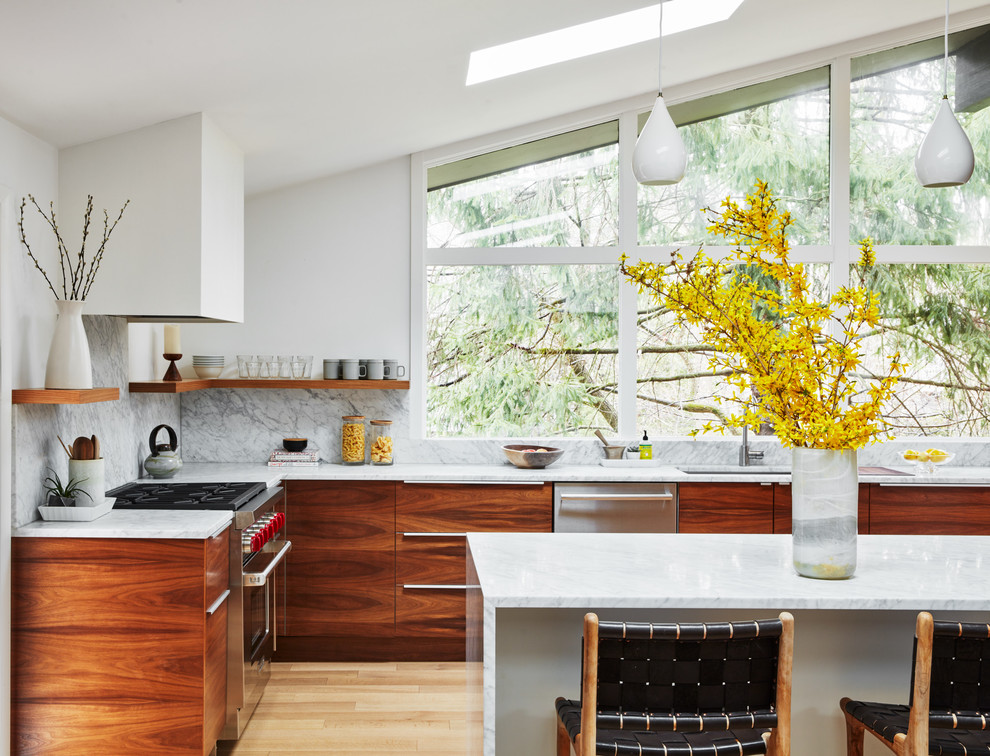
552 570
219 472
131 523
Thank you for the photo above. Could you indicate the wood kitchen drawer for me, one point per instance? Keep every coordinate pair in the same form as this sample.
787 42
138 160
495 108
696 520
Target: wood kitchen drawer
724 508
331 515
454 507
430 612
929 510
427 558
340 592
217 566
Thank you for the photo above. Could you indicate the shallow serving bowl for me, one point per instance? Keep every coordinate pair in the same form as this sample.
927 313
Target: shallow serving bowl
530 456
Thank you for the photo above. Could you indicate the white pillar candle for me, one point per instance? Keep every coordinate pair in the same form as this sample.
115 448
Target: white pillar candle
172 340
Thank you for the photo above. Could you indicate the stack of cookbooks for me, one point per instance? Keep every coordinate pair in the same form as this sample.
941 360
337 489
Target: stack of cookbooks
283 458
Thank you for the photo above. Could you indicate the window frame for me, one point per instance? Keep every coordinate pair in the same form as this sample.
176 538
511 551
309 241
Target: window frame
839 253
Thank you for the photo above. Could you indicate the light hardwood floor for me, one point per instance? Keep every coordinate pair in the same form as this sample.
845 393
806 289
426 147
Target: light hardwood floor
358 708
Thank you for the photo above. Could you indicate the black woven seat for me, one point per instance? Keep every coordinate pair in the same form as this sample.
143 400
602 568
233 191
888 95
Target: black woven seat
698 689
949 706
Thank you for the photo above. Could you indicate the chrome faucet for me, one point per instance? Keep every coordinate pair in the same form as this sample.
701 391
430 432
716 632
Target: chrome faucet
745 455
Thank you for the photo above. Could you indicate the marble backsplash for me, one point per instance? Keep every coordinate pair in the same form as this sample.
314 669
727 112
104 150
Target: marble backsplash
245 425
122 426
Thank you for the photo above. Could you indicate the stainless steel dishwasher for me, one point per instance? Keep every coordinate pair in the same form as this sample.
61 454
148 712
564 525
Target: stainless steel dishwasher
615 507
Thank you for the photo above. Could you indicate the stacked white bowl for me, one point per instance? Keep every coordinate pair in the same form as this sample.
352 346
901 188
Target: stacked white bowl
208 365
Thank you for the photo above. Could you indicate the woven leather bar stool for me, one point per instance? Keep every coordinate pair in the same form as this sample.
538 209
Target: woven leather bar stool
676 688
949 708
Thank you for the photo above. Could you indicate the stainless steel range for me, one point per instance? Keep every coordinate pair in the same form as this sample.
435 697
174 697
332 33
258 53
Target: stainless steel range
257 585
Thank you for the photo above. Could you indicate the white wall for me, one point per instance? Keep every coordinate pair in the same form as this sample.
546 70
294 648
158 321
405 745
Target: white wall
326 272
27 315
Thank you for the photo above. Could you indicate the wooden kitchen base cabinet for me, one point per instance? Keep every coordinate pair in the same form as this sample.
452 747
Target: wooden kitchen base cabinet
929 510
377 568
112 650
724 508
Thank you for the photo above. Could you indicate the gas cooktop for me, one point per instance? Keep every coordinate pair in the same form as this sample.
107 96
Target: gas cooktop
163 495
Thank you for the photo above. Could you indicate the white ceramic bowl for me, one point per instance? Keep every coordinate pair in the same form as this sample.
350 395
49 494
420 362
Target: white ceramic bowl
531 456
207 372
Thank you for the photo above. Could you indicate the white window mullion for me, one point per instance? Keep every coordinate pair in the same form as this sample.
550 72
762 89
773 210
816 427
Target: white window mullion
839 154
628 232
417 299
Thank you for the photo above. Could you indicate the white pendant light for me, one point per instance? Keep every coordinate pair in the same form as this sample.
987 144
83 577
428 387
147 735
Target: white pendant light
945 157
659 157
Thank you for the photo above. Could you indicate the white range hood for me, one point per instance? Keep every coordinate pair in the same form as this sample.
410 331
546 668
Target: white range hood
178 252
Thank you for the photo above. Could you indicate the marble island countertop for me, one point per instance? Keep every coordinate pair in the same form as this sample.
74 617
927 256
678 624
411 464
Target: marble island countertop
633 570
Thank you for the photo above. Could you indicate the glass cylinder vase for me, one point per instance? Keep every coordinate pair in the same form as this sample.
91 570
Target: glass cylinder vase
824 512
69 365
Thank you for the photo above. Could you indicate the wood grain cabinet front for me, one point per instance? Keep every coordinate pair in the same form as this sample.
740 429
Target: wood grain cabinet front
340 574
929 510
724 508
431 522
118 645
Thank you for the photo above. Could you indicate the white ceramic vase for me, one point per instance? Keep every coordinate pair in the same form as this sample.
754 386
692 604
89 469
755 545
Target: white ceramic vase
824 512
69 365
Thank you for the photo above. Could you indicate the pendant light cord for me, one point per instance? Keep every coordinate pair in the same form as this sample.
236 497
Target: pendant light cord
660 47
945 64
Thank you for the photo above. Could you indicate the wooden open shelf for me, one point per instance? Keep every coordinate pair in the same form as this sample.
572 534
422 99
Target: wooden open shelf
64 396
197 384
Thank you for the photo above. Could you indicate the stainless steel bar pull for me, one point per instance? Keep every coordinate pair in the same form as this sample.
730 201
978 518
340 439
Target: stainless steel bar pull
260 578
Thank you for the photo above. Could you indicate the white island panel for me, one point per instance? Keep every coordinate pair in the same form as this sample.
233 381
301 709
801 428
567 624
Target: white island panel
852 637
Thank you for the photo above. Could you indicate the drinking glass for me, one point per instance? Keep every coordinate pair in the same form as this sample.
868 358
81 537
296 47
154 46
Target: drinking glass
298 368
285 366
242 364
254 368
265 360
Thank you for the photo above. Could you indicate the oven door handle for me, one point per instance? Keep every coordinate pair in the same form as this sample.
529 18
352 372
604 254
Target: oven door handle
260 578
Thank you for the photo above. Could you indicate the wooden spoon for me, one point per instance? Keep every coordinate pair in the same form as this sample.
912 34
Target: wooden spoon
82 448
68 449
96 447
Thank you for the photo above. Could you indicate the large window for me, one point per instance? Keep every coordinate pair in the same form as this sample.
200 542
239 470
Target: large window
528 329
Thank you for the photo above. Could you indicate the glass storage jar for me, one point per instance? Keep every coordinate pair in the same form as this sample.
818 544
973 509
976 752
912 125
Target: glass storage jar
352 440
381 442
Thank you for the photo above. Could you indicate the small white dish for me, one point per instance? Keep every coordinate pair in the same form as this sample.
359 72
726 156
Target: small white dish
76 514
207 372
629 462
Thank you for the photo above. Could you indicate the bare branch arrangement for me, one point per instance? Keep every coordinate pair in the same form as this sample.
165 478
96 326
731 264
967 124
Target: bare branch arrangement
77 278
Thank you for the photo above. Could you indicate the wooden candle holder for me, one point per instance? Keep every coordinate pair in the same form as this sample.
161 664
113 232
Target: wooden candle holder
172 374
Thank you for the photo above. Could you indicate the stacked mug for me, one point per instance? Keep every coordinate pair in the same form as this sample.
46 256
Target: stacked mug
354 369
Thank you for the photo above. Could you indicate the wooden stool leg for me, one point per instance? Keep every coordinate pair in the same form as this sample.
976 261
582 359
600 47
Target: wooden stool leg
855 730
563 740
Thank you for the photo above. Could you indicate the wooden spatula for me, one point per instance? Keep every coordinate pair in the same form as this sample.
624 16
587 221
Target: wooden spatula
96 447
82 448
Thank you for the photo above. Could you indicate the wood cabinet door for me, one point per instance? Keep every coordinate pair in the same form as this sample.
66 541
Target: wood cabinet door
340 574
459 507
724 508
782 508
929 510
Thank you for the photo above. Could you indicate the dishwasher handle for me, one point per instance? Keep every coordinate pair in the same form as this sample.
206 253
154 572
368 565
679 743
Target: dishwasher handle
617 496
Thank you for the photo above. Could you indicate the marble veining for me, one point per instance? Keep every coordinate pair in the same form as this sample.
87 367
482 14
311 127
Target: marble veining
122 426
132 523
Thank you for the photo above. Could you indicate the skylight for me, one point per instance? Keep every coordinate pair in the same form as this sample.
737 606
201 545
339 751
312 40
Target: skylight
595 37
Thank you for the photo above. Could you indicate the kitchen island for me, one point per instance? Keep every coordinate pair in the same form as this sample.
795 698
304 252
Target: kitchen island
852 637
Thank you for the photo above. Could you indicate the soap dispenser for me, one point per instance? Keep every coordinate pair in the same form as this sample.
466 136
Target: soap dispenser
645 447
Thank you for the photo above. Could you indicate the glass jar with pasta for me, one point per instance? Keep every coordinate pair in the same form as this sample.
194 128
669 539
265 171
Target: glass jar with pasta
381 442
352 440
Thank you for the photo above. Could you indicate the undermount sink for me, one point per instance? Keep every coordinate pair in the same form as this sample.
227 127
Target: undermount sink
733 470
